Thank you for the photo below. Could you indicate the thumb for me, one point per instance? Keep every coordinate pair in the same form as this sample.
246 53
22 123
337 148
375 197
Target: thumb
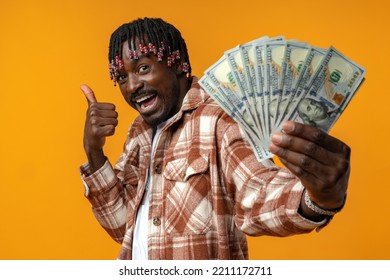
88 92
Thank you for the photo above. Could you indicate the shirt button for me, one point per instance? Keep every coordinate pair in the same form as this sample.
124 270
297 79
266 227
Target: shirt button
156 221
158 168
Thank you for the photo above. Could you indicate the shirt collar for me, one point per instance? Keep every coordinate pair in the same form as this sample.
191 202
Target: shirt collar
194 97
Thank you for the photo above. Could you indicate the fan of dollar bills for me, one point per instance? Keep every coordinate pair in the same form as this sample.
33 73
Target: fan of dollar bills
267 81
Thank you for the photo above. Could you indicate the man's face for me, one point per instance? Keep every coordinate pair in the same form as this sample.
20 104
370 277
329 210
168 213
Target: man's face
312 109
150 87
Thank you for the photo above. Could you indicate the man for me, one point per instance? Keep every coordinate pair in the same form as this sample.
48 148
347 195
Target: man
316 113
187 185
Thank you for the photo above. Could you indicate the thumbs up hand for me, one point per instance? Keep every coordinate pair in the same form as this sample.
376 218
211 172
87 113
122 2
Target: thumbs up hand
89 94
100 122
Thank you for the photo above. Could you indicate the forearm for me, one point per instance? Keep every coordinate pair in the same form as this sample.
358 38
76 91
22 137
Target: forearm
111 212
107 196
96 160
274 206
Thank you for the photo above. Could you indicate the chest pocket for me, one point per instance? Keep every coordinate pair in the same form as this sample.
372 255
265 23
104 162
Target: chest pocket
187 202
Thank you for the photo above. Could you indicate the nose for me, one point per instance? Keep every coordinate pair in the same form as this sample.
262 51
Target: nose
134 83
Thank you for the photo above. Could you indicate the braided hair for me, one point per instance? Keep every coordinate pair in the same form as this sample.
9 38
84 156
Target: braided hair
154 36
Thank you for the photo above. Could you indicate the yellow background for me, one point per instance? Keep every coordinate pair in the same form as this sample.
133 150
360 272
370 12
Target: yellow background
49 48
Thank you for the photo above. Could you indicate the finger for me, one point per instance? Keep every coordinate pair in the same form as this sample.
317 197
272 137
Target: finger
103 109
303 163
326 192
285 142
103 131
306 177
309 166
98 121
88 92
317 136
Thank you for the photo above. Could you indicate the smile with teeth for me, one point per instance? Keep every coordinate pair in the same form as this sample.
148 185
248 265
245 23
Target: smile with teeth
145 101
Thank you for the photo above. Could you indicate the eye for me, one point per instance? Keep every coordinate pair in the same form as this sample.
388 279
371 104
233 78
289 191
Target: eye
143 69
121 78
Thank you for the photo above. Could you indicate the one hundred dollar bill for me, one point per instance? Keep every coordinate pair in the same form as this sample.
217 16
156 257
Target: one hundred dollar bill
237 68
294 58
220 76
274 54
253 138
231 110
253 80
306 74
329 92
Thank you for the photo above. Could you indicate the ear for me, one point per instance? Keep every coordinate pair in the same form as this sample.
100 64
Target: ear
177 67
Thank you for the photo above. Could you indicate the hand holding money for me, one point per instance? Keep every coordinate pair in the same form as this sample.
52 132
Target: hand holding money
285 96
321 162
263 83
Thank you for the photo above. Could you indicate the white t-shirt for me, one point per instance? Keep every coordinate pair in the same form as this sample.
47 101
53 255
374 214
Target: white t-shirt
140 238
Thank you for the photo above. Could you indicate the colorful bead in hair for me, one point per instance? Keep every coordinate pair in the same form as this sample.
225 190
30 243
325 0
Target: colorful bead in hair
114 67
152 48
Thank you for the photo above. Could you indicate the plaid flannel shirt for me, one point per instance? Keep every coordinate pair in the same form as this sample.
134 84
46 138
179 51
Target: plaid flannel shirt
208 190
